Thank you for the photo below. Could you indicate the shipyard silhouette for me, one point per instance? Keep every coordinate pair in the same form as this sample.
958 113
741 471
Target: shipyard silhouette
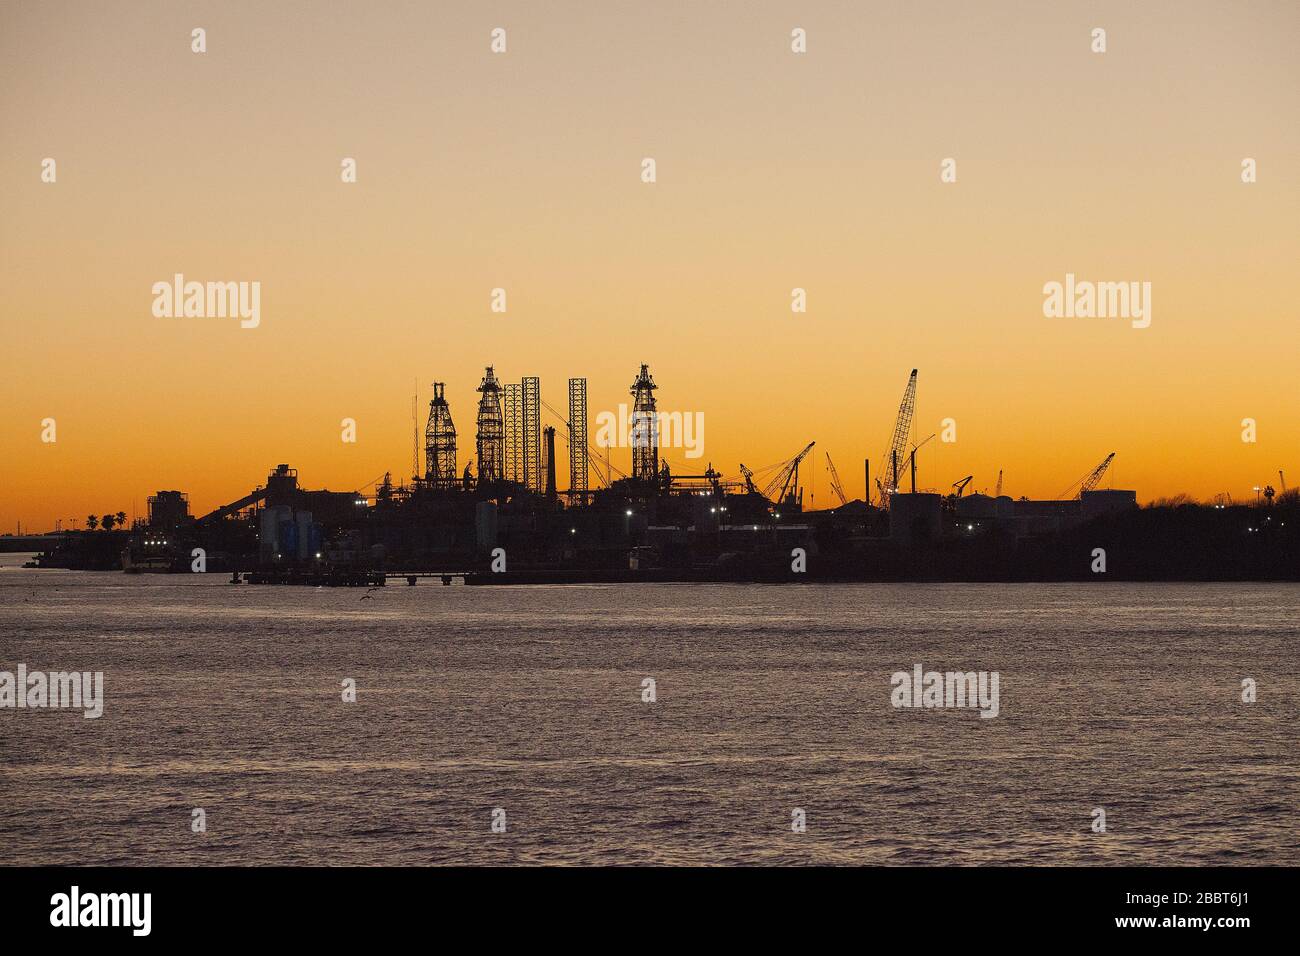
500 515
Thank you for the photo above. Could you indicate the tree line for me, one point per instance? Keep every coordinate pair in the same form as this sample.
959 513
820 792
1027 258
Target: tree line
107 522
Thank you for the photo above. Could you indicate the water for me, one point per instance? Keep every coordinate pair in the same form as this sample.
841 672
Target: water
227 698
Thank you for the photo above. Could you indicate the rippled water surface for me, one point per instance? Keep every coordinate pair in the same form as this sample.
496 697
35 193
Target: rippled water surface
1121 697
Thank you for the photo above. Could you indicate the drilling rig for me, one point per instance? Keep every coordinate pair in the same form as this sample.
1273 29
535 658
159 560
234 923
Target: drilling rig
490 440
645 428
440 442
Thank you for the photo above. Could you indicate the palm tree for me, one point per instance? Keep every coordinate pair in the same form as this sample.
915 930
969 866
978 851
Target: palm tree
121 519
106 522
92 522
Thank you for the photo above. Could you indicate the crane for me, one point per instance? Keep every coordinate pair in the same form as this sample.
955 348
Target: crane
960 486
749 480
1090 480
835 480
893 457
789 473
998 491
754 477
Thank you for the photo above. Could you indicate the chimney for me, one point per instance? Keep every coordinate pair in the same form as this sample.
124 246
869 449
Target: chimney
549 432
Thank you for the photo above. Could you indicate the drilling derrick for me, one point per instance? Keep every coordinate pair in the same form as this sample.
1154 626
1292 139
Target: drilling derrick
440 442
577 440
895 455
645 428
513 463
491 433
532 428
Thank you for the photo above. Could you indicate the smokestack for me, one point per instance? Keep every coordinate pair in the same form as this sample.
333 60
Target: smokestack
549 432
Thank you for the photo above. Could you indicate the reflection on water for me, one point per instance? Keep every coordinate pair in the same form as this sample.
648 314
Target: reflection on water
1123 697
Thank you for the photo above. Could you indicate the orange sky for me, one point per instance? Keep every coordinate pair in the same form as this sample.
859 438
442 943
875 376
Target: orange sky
522 171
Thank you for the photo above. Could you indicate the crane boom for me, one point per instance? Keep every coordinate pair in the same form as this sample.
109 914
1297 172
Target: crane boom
782 480
1090 482
835 480
894 456
749 479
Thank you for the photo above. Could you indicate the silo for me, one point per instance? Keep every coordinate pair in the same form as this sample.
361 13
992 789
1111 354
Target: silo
269 539
303 520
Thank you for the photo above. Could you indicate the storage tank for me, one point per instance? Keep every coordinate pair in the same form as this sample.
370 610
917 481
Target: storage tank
977 506
914 518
